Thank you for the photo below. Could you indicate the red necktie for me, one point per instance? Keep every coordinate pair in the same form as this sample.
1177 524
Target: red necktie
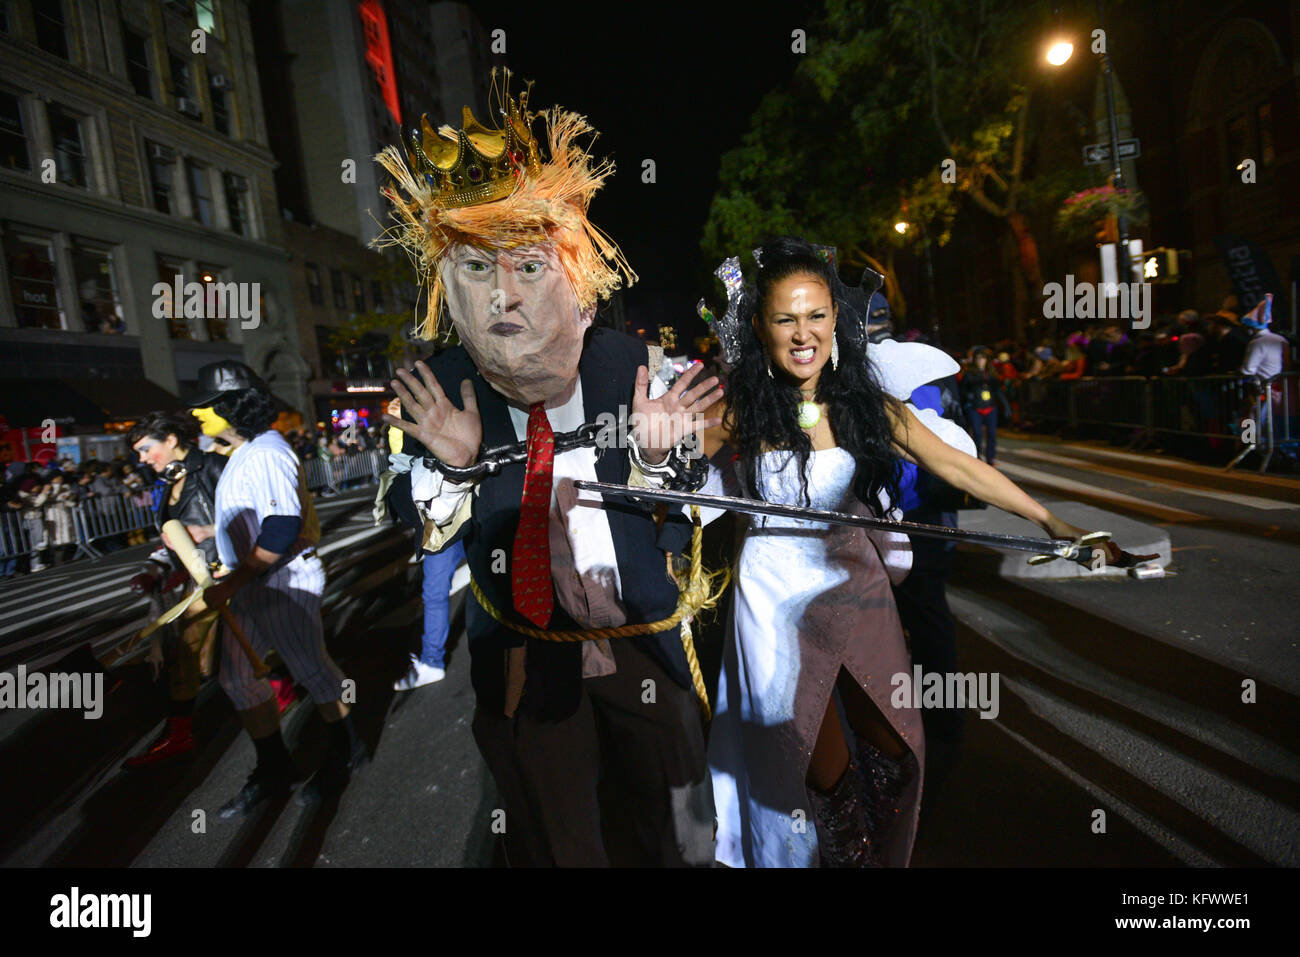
531 588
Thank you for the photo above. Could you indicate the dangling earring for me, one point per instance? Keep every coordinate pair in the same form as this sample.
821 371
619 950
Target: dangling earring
835 353
768 362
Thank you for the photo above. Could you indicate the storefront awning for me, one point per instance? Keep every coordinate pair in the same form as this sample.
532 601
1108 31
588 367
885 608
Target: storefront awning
126 398
28 403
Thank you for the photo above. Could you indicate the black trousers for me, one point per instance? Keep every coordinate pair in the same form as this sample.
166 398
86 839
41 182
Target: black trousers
624 781
932 637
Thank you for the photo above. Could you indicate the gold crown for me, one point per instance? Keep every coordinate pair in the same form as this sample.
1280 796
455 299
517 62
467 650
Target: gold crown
475 164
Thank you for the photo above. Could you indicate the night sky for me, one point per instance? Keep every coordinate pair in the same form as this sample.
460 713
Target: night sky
675 88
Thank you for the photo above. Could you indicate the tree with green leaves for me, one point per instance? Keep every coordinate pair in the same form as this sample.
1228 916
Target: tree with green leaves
915 110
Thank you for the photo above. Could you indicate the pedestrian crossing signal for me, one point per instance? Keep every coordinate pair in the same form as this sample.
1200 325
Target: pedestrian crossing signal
1160 265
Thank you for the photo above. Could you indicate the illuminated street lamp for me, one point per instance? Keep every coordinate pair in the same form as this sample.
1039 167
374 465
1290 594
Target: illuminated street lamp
1057 54
901 227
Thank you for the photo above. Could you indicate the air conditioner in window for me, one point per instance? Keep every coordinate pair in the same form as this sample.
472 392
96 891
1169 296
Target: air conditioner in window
164 153
219 81
187 105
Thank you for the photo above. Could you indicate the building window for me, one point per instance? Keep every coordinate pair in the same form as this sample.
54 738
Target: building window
182 88
162 162
33 282
219 305
69 148
314 291
330 359
236 188
336 286
1264 125
196 177
220 105
13 136
51 30
377 295
358 294
205 12
170 272
97 295
136 47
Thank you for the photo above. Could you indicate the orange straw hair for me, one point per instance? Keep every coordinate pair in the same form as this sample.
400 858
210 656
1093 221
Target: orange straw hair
549 206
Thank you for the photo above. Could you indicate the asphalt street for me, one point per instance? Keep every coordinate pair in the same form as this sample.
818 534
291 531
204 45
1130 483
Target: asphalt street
1118 696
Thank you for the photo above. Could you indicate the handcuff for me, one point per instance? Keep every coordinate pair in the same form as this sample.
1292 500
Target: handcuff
683 470
491 461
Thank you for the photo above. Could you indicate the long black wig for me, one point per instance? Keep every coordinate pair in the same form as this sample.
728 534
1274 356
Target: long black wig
249 411
762 410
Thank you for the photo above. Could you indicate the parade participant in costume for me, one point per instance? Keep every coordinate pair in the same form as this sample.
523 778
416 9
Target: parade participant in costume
587 712
816 423
982 394
438 570
266 531
168 444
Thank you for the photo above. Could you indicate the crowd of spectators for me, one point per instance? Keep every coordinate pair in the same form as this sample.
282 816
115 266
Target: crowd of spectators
42 498
1189 344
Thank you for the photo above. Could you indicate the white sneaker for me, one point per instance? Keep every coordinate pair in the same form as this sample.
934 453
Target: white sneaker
418 675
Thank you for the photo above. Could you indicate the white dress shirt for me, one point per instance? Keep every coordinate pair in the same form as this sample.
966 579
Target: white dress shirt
584 565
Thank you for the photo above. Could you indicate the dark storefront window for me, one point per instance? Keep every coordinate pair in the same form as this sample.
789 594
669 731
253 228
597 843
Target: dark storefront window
69 147
33 282
168 270
51 30
13 135
97 296
314 290
162 164
236 188
200 192
336 286
220 108
217 323
136 48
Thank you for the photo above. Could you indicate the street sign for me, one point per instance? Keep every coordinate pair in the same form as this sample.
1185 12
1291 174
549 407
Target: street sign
1095 153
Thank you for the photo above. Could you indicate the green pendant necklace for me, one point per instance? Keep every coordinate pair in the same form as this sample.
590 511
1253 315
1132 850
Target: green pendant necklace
809 413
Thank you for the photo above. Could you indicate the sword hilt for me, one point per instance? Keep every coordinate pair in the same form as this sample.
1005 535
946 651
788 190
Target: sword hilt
1072 550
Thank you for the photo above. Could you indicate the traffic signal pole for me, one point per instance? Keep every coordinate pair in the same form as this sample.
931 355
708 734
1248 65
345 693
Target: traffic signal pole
1123 255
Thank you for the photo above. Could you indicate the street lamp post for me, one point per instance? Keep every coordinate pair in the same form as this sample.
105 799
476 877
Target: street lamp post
1056 56
1117 172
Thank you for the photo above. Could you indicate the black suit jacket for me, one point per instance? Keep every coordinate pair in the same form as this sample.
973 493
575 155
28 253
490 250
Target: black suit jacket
553 676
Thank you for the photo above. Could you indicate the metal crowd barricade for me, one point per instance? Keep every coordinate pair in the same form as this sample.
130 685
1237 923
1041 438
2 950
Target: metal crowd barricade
106 516
1206 406
1220 408
15 539
1109 400
359 468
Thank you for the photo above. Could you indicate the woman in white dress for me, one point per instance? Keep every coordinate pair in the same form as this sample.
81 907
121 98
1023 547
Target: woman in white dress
814 631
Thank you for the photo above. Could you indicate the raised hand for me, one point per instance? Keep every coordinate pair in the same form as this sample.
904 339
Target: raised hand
659 424
451 434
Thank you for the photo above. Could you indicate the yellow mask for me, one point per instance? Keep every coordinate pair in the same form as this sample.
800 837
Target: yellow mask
211 423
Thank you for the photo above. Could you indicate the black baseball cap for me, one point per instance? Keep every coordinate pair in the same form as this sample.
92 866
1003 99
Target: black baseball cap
218 378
